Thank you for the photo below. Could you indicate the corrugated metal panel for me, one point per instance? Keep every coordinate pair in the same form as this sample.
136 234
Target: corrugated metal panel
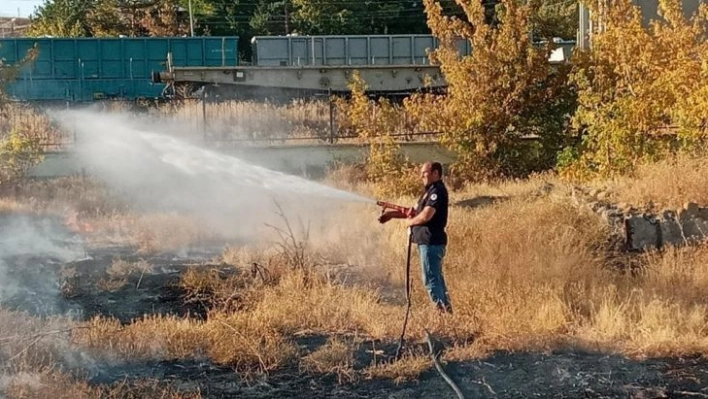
82 69
346 50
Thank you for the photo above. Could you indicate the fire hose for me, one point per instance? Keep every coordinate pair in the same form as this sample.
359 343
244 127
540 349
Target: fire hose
410 212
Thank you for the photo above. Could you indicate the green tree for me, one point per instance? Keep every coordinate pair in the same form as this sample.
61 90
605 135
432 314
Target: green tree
61 18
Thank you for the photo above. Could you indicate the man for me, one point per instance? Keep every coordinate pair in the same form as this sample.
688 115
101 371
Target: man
428 232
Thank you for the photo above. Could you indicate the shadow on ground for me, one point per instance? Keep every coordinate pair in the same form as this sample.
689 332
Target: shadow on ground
480 201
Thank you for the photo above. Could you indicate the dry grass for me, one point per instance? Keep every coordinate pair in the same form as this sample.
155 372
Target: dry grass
406 369
52 384
335 357
152 337
669 183
223 123
529 272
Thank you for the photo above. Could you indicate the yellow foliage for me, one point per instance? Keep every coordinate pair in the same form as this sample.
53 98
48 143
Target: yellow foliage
374 121
642 89
18 152
503 91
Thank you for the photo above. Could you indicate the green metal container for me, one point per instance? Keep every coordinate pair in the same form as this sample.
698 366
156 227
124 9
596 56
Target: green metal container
86 69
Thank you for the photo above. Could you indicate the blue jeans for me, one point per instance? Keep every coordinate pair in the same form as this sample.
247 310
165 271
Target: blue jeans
431 257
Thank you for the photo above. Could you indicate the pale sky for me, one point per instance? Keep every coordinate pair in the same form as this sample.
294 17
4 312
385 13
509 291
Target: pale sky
8 8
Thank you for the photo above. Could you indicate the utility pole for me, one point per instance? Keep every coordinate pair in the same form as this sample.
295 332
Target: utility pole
584 27
191 23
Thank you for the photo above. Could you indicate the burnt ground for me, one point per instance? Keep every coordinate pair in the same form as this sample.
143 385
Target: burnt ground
50 284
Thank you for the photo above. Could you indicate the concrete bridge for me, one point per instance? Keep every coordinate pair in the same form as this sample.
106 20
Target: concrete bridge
306 159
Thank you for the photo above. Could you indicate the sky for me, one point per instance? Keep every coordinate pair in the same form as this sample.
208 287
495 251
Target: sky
8 8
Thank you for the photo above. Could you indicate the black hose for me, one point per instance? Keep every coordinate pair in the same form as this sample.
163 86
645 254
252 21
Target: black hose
408 296
440 369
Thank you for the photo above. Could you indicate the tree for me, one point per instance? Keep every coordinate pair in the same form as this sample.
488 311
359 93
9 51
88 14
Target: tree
501 93
642 89
373 121
556 18
165 18
61 18
19 149
106 19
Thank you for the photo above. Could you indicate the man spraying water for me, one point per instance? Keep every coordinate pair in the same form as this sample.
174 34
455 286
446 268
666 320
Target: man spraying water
427 223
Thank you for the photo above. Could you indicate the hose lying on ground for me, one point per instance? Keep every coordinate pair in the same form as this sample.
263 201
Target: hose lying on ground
440 369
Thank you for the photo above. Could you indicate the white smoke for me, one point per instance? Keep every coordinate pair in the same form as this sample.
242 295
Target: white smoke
162 172
27 244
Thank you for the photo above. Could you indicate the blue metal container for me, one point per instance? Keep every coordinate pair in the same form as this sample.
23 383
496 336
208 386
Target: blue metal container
85 69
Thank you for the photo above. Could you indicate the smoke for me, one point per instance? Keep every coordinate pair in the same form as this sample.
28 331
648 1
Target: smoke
161 172
28 247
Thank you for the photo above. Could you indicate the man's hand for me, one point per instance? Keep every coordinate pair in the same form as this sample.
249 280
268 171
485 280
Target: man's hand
389 214
385 217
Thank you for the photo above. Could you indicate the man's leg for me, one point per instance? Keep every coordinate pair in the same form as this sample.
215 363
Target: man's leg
431 264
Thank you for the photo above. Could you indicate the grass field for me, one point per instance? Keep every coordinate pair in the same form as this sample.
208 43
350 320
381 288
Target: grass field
529 268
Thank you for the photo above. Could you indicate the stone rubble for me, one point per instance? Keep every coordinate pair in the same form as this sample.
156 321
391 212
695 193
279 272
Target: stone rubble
646 229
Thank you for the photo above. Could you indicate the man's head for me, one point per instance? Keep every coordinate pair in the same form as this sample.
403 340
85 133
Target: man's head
431 172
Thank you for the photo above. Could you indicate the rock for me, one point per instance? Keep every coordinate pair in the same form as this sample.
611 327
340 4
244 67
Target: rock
642 233
691 209
703 213
668 214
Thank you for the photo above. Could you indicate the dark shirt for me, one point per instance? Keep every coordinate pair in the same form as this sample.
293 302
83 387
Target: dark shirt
432 232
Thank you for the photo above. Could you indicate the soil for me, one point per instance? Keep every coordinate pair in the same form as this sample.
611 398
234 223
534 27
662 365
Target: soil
43 287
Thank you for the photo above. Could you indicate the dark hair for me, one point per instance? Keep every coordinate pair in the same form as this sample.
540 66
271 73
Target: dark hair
436 167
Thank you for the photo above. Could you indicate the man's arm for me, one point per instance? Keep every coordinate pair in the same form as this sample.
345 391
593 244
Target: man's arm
421 218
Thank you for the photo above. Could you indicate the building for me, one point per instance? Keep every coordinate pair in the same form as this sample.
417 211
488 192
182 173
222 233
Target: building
590 24
13 27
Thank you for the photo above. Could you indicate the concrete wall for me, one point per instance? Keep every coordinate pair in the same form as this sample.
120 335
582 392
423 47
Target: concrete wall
685 226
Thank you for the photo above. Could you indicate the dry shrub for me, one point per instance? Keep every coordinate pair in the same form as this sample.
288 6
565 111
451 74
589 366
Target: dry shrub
35 123
78 197
52 384
406 369
218 288
304 301
335 357
152 337
249 120
347 176
243 342
30 343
